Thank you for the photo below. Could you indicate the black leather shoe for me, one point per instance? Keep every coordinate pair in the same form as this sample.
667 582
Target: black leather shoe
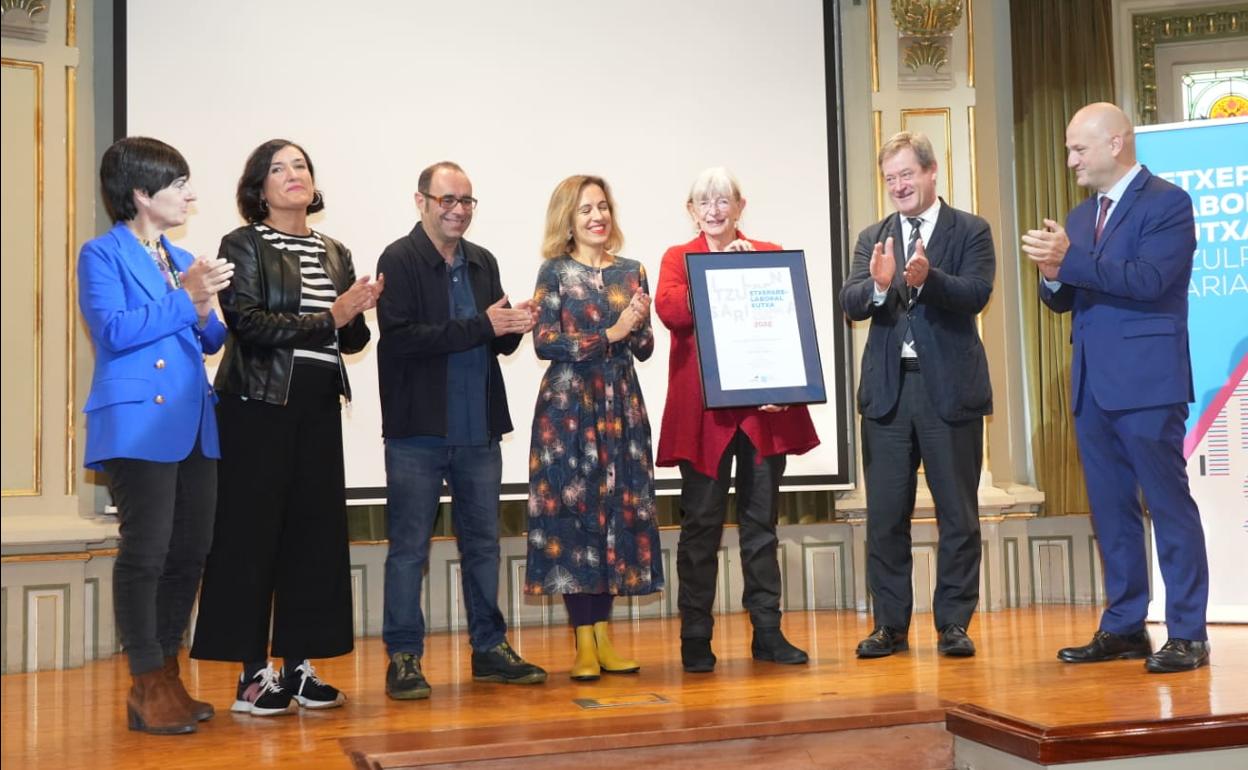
954 642
696 655
1107 646
882 642
770 644
1178 655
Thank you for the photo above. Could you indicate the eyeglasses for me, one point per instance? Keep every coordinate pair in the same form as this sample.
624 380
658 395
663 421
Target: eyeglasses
905 176
719 203
447 202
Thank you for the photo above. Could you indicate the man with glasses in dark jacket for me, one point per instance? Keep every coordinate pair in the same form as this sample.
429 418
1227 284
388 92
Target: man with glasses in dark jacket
444 321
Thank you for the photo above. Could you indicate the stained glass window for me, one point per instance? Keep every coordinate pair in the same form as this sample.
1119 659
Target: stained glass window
1215 94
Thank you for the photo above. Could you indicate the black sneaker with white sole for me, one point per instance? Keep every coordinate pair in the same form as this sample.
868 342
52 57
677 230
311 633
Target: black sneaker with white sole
263 695
308 690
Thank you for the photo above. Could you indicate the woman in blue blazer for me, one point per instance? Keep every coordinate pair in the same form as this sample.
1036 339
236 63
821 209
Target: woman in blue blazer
150 421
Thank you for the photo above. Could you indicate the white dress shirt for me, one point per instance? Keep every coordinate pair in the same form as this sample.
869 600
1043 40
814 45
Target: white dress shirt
927 223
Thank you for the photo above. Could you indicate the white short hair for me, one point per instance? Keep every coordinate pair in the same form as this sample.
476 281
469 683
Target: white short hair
715 182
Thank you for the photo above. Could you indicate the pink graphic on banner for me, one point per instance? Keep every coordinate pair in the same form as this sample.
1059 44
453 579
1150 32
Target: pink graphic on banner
1210 415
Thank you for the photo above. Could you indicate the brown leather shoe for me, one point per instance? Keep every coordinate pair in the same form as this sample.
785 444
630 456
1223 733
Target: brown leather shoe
153 706
198 708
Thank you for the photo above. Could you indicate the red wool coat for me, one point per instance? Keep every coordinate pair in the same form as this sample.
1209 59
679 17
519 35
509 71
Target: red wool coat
699 435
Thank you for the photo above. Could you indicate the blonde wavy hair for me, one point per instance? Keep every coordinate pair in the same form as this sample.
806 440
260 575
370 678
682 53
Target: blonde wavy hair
561 214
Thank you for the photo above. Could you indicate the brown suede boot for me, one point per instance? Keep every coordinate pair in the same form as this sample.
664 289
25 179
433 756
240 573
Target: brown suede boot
198 708
153 706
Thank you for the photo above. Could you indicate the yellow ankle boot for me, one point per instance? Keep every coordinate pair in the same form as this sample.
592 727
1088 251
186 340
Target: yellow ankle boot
585 667
609 659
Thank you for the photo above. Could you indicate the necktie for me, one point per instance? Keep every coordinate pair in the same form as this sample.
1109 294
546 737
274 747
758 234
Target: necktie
915 224
1101 217
907 336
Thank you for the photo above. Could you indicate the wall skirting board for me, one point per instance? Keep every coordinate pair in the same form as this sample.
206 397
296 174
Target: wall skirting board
57 607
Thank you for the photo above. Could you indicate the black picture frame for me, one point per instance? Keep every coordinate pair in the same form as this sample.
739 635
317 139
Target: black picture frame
698 265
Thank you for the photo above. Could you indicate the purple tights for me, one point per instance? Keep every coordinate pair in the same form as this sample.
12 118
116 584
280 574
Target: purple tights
587 609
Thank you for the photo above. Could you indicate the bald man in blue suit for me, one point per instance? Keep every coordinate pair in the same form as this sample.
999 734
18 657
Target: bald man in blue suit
1122 266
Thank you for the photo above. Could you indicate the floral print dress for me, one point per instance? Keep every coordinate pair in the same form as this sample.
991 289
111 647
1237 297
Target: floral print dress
591 516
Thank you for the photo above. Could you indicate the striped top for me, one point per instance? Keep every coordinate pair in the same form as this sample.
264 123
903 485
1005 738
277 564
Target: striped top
318 293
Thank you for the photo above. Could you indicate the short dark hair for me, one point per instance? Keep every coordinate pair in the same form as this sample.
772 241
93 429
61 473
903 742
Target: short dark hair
426 176
137 163
250 194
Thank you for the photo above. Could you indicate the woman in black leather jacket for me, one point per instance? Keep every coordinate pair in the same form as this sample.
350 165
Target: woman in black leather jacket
279 546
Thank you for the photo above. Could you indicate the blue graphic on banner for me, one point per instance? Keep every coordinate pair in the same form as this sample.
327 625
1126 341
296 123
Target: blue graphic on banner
1209 159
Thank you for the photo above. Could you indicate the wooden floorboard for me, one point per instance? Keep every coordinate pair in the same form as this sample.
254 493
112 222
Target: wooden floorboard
75 718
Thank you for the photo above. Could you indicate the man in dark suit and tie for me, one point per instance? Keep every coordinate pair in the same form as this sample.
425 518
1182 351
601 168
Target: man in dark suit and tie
921 275
1122 266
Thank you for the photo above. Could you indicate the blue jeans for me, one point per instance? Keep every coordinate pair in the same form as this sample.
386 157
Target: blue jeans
414 476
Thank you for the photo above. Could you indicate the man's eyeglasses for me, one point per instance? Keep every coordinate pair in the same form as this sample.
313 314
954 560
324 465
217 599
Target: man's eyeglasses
447 202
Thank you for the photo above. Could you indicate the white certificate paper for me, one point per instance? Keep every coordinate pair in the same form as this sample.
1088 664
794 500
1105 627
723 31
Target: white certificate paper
757 342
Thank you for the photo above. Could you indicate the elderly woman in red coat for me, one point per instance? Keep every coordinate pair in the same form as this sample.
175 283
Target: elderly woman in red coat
705 442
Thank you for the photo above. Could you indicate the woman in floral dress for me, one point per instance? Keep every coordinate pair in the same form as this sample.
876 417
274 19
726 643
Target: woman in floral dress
592 530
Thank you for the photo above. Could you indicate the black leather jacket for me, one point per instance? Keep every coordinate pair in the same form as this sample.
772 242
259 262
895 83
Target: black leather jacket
261 307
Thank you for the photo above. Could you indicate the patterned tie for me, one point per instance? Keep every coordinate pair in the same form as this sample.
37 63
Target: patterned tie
1100 218
907 336
915 224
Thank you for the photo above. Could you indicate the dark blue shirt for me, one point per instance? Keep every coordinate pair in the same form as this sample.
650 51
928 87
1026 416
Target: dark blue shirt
466 371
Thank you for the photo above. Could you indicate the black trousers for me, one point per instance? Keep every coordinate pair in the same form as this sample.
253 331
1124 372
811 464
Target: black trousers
280 549
703 504
952 454
165 512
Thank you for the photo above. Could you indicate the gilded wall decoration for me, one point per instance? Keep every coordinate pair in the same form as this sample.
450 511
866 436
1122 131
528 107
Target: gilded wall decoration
925 41
24 19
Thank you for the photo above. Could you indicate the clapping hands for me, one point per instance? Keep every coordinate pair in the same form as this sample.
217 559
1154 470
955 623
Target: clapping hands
631 318
640 305
512 320
362 296
203 279
1047 248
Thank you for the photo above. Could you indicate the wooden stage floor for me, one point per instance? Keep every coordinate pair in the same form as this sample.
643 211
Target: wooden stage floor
76 718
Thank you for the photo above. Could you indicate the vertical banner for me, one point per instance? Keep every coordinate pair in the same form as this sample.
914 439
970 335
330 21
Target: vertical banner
1209 159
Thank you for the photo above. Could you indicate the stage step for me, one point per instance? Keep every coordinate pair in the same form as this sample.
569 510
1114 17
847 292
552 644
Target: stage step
1206 741
906 732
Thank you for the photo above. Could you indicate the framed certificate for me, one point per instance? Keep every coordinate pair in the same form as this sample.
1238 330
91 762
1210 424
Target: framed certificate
755 328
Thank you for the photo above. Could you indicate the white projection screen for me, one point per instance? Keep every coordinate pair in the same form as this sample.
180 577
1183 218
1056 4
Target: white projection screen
646 93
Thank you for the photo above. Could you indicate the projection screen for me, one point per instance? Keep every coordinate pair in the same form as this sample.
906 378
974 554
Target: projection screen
521 94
